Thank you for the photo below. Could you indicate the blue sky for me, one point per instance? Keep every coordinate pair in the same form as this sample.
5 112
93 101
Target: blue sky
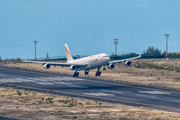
87 26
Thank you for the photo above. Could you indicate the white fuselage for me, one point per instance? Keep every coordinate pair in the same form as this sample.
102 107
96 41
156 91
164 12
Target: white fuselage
92 62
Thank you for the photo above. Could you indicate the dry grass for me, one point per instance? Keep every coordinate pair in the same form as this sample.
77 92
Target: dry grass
38 106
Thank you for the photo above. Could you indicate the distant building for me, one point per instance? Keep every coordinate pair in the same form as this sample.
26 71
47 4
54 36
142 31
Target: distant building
177 53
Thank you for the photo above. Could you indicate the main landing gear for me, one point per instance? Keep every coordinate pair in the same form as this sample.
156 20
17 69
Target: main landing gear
76 74
98 73
86 72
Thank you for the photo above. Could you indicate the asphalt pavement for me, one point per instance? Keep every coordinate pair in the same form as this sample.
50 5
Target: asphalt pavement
91 88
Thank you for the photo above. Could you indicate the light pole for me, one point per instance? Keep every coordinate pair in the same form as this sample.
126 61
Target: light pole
167 35
35 48
116 42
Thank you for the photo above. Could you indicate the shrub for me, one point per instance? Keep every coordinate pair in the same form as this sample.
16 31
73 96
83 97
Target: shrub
42 99
70 105
138 65
18 92
177 69
50 100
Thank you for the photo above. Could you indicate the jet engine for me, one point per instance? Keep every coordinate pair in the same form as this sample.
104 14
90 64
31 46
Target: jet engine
127 63
46 66
111 66
72 67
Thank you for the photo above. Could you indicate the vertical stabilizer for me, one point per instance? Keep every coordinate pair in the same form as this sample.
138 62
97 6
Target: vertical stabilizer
68 54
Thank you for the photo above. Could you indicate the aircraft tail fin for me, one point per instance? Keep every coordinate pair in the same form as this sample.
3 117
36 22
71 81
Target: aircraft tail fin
68 54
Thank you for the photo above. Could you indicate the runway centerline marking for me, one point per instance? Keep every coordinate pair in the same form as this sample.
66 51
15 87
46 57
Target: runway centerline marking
98 94
63 83
154 92
111 91
44 83
146 96
77 86
178 101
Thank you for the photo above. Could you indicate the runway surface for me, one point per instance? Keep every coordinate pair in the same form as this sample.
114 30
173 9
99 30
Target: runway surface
6 118
91 88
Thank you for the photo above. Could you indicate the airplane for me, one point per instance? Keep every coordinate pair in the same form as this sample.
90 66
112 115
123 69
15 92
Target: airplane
86 63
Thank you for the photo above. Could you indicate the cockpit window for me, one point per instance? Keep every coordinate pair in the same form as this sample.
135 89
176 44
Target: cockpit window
106 56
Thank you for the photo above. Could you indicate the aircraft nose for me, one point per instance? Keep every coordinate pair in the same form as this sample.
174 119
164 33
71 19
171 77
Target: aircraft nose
108 59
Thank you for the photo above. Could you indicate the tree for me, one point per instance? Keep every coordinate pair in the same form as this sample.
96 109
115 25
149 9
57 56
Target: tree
151 51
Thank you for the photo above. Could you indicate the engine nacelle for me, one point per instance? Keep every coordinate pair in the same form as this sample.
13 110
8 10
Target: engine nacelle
111 66
127 63
46 66
72 67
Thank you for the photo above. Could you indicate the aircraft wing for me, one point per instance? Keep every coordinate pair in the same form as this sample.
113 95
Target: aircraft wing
57 63
119 61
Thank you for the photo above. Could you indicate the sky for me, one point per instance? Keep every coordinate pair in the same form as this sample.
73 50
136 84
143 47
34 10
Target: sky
87 26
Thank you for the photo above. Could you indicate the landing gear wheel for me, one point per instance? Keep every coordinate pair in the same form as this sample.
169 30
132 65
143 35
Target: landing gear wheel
86 73
98 73
76 74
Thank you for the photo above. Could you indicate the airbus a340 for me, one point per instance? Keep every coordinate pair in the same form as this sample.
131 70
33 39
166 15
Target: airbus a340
86 63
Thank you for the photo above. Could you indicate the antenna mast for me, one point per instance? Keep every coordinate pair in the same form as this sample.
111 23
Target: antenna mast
167 35
116 42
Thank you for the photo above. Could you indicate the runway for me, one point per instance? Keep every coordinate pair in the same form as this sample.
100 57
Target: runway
91 88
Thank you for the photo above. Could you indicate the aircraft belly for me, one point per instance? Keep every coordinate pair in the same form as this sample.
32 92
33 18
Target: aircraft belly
94 65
